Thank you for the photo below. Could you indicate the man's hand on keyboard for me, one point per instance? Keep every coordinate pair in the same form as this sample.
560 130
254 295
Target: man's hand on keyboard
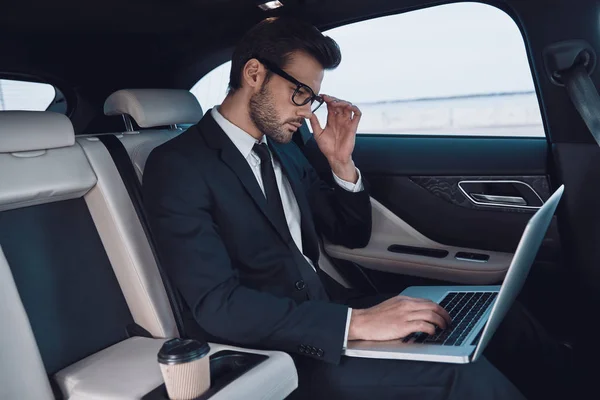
396 318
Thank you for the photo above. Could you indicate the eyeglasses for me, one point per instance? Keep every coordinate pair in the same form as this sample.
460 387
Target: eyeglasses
303 94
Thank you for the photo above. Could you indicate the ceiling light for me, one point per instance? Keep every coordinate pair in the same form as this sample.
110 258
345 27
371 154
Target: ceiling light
270 5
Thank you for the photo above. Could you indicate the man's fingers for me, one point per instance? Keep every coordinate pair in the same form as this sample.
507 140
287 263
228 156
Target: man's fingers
342 115
331 116
329 99
338 105
334 103
420 326
315 125
428 316
438 310
356 116
415 299
428 305
342 110
412 302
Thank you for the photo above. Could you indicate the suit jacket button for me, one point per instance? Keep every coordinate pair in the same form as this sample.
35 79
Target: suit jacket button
300 285
320 353
302 348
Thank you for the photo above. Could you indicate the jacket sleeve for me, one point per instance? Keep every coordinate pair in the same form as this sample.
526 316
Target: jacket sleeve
343 217
178 202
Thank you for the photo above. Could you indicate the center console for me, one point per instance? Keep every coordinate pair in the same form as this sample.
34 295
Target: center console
129 370
225 367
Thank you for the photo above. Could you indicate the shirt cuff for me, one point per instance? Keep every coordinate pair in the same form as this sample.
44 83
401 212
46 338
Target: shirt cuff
347 328
349 186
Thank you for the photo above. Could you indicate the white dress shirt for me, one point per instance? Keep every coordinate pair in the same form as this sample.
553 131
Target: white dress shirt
245 142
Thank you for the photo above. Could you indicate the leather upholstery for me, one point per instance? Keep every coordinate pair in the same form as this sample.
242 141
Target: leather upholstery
139 145
23 375
155 107
48 172
126 245
34 130
389 229
101 376
126 370
44 177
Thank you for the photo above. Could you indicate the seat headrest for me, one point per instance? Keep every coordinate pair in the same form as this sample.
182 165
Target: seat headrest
155 107
22 131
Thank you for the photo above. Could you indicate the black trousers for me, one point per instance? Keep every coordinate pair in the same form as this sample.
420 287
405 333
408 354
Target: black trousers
521 361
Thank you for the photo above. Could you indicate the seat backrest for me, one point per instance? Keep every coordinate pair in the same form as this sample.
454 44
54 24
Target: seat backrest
23 377
65 247
60 268
76 270
126 243
162 110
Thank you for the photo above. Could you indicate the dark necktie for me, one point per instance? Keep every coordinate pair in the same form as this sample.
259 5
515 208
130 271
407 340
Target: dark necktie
274 199
270 184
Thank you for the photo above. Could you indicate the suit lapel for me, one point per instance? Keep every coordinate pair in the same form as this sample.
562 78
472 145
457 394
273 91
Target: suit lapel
309 238
217 139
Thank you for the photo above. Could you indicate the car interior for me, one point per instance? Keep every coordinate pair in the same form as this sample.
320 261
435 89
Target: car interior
85 302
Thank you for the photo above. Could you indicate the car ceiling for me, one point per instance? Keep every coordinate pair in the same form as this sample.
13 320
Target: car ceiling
139 42
96 47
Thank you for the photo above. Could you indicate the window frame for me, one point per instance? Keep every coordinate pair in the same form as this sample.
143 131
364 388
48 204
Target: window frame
61 93
225 56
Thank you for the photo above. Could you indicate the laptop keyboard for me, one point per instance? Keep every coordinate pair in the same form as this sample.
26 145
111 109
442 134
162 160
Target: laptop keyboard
465 309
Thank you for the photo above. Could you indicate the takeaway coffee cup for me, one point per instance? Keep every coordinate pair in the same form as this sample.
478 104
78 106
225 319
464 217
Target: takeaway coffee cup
185 367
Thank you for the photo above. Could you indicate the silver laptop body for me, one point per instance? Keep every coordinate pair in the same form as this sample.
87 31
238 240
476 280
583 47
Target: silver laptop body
476 310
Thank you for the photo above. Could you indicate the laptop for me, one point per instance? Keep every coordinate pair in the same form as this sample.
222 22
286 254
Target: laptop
476 311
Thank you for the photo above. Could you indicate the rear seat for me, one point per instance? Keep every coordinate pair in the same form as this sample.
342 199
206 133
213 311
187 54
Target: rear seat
151 108
64 277
84 272
23 375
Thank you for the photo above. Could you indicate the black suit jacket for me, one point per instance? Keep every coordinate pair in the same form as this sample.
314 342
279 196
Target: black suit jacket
238 270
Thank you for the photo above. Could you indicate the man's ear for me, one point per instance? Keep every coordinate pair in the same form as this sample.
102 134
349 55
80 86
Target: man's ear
253 73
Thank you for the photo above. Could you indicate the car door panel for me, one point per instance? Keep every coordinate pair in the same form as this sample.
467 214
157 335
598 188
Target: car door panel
419 207
390 230
438 209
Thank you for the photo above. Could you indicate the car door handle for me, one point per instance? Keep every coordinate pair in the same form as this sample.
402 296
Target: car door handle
501 193
496 199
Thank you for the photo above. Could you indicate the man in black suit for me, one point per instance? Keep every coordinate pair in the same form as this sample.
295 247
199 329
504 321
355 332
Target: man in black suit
236 209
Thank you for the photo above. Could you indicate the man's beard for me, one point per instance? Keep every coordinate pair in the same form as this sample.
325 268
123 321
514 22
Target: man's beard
265 116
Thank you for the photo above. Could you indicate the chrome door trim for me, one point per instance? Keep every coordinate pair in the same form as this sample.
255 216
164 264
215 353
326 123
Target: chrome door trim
508 200
470 260
480 203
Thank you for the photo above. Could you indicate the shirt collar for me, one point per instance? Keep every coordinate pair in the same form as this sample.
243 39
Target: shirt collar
240 138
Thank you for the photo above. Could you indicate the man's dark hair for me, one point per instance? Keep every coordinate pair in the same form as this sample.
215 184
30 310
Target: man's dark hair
275 39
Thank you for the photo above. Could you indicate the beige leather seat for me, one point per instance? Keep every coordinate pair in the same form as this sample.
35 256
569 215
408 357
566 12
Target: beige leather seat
84 272
162 113
23 375
50 202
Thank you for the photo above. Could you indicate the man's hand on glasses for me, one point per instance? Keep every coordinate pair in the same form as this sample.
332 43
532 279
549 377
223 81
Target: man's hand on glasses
336 139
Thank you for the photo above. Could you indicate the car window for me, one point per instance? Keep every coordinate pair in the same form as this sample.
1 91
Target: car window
212 88
28 96
457 69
